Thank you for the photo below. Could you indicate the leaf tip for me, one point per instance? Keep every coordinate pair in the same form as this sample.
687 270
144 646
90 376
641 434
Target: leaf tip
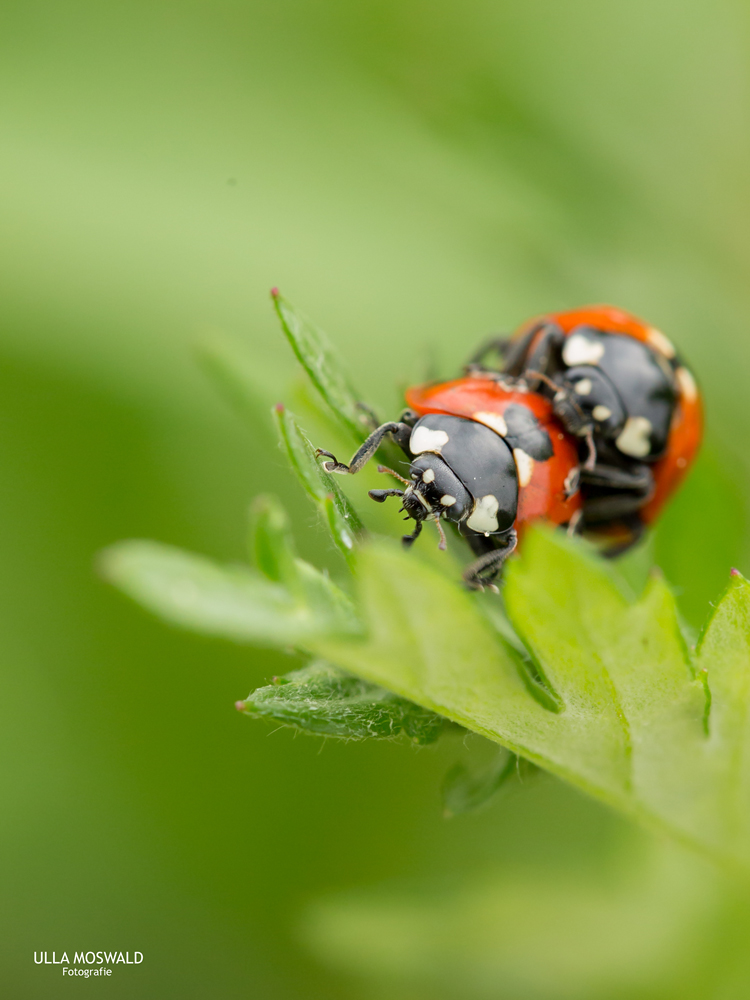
241 706
737 581
279 408
275 293
108 562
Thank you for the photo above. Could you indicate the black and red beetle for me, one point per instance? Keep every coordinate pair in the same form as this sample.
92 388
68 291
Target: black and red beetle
487 455
617 384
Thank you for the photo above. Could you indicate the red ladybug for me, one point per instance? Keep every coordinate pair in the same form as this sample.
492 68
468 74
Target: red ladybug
485 453
617 384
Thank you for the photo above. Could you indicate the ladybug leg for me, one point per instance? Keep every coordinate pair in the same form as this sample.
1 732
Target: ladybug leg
639 479
368 416
382 495
567 410
483 570
599 510
443 545
541 358
400 432
515 356
590 464
409 417
511 350
617 493
575 524
409 540
497 345
572 482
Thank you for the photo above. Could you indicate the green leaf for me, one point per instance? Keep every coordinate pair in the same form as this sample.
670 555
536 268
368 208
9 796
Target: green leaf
323 700
631 729
321 362
723 658
272 544
626 715
233 602
427 642
327 604
467 788
338 513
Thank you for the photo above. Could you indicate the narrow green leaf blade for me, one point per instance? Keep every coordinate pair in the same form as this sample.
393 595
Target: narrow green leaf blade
233 602
340 516
327 602
321 362
323 700
272 544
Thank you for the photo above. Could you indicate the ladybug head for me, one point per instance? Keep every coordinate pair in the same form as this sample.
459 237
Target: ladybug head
432 492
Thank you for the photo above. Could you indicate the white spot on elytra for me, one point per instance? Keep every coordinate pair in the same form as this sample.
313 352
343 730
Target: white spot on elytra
583 386
447 500
662 344
634 438
428 475
525 466
492 420
484 515
687 385
424 439
579 350
601 412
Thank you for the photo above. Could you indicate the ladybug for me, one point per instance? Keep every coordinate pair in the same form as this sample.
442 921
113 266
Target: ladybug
618 385
487 455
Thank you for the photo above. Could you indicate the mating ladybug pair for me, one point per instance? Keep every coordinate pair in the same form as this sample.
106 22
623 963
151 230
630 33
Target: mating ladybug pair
589 420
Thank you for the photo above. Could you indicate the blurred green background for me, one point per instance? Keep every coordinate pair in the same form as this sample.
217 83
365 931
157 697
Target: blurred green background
414 176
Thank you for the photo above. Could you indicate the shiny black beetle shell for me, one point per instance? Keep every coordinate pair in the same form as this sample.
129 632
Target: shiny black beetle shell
634 383
482 462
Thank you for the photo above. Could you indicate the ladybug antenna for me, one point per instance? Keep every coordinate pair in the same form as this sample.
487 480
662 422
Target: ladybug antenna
390 472
555 386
